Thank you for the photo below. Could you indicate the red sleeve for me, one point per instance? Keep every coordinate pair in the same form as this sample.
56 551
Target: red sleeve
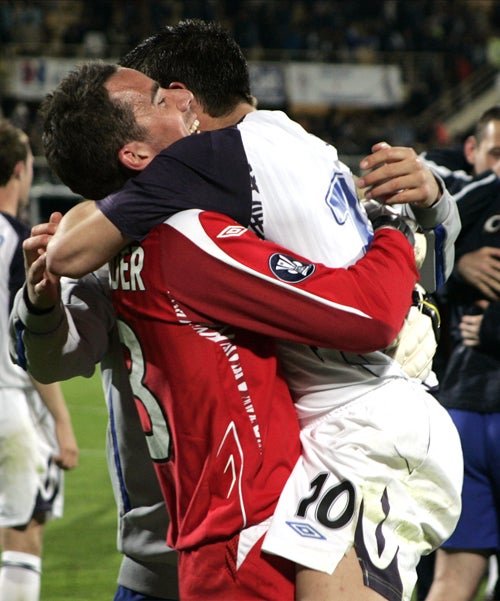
222 272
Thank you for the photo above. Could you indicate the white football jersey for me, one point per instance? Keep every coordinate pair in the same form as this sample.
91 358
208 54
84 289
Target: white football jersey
12 234
290 187
309 204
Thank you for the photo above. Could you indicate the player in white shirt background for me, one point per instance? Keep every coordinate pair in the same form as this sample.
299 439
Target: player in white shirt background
36 435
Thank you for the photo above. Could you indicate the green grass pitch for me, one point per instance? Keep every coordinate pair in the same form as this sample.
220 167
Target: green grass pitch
80 560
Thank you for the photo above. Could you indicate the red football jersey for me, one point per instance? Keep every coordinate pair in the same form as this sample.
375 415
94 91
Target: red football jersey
196 302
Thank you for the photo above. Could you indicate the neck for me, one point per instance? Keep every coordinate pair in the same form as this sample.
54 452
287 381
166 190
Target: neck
235 116
9 198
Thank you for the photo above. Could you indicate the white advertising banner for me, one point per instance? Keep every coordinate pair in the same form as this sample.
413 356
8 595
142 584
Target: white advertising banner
346 85
274 84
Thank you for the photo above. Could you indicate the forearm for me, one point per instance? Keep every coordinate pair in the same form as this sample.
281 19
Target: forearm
441 226
85 240
66 341
53 398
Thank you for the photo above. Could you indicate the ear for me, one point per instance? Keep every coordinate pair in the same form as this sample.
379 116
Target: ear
470 147
135 155
18 170
196 107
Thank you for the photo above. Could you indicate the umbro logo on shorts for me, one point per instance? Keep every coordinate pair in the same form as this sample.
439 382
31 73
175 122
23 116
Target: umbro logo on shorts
290 269
305 530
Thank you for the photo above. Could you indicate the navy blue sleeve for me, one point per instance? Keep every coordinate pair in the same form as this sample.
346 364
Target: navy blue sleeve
16 269
451 158
208 171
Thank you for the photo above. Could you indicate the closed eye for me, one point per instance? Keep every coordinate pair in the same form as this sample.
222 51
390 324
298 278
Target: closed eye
157 94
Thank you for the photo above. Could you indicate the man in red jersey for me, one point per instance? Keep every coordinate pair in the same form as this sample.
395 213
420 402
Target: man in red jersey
218 385
377 372
341 191
218 416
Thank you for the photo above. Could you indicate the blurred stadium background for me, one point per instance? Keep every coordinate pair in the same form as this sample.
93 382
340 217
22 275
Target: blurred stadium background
411 72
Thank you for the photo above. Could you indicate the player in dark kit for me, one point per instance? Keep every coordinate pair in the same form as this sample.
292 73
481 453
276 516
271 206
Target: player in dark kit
470 381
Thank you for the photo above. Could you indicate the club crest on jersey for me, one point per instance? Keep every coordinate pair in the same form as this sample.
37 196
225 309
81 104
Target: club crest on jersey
289 269
231 231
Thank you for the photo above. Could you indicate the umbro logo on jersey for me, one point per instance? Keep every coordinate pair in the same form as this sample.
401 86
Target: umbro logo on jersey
305 530
290 269
232 230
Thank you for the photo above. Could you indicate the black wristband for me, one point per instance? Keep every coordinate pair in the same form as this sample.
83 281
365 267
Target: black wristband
31 307
396 223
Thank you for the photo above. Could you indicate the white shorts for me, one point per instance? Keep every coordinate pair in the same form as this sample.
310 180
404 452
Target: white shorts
30 482
383 474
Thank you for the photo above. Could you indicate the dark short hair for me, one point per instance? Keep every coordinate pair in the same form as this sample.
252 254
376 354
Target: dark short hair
84 130
14 147
491 114
202 56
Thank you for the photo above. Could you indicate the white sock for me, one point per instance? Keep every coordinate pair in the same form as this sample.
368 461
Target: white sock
492 576
20 576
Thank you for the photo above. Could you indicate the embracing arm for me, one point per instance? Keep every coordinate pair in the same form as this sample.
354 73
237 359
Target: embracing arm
84 241
223 272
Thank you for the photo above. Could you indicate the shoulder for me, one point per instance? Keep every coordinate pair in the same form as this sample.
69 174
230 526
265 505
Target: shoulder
217 154
12 234
11 224
452 158
276 132
451 165
191 147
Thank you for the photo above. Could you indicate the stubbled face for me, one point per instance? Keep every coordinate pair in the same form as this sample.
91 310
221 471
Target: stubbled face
486 153
164 113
